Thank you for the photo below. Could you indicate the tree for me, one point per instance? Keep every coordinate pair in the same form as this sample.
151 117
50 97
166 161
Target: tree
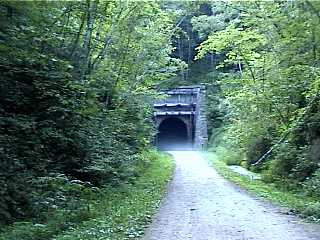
271 49
78 81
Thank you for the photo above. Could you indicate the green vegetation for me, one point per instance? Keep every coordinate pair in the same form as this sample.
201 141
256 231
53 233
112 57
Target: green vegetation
259 61
294 201
78 79
263 87
120 212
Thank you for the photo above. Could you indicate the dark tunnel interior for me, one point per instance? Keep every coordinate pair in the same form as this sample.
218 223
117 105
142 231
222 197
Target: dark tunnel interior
172 135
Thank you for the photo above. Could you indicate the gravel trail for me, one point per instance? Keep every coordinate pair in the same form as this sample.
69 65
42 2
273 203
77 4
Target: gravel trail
201 205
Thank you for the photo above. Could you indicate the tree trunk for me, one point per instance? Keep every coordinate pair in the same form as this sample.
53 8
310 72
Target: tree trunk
91 14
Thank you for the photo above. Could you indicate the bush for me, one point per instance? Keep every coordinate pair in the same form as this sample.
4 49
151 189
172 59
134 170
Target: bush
257 148
47 128
77 208
290 165
312 210
312 185
228 156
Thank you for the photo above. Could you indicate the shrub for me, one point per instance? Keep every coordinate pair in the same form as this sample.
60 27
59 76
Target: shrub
312 210
228 156
257 148
290 165
312 185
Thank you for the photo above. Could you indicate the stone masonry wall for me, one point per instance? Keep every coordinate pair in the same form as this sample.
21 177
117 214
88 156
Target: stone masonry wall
201 134
196 123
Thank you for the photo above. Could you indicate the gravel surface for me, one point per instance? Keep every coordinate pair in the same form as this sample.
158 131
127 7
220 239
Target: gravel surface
201 205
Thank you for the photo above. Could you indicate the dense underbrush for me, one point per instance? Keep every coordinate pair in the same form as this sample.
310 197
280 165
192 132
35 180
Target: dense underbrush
75 104
267 91
292 165
78 210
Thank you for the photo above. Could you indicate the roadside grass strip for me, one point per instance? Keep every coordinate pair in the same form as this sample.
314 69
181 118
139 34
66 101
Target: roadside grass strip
116 213
295 202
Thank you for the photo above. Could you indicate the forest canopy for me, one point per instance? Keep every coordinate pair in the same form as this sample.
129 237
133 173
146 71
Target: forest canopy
77 82
267 73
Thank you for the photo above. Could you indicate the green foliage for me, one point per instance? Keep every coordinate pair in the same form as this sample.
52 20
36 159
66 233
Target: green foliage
294 201
77 83
222 15
290 167
269 85
228 157
312 211
311 185
112 212
257 148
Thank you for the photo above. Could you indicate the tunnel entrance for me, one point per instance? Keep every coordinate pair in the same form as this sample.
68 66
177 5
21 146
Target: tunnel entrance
172 134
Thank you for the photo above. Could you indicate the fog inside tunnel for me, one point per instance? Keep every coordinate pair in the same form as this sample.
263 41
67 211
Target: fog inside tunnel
173 135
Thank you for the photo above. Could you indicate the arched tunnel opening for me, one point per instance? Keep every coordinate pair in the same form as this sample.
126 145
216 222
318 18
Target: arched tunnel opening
172 135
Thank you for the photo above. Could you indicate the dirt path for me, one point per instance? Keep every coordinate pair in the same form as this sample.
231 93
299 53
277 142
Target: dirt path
201 205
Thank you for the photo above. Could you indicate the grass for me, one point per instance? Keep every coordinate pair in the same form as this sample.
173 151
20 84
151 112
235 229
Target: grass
296 202
112 213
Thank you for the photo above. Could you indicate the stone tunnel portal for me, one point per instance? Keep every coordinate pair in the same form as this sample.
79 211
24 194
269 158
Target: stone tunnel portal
172 134
180 119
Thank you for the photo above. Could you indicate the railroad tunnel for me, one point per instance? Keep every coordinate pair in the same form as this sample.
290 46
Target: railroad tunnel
180 119
172 134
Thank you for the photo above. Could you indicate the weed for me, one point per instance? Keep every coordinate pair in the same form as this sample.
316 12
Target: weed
295 201
120 212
